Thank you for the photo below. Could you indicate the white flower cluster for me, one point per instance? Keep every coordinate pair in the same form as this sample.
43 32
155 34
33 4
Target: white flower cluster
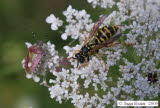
79 23
136 75
113 56
102 3
127 68
53 60
144 17
68 83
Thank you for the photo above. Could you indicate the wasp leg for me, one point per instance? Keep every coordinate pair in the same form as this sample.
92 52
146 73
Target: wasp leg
83 65
121 44
77 64
73 54
105 68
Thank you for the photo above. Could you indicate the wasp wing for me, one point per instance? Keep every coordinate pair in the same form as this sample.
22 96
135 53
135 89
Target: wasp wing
95 28
106 43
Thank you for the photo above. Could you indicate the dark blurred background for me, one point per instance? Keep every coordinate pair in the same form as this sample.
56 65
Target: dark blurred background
24 21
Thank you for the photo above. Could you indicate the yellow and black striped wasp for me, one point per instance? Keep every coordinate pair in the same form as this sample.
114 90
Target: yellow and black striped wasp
104 38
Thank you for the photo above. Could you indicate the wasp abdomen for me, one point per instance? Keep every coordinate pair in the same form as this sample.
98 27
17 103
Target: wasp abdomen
105 33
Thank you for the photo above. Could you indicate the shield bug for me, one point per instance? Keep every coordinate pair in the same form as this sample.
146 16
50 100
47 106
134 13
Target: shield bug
35 62
40 59
34 58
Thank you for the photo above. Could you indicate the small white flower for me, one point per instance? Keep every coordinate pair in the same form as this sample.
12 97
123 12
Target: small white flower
55 22
29 76
64 36
28 44
36 78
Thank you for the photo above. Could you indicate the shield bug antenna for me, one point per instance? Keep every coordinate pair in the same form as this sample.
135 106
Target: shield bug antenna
38 38
35 36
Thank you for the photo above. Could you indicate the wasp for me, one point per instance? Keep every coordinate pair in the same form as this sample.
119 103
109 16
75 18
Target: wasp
104 37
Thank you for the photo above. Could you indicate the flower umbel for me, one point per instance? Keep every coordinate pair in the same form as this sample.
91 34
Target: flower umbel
130 69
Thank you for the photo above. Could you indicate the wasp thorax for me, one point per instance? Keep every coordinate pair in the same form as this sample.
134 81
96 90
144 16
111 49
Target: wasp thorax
84 50
80 58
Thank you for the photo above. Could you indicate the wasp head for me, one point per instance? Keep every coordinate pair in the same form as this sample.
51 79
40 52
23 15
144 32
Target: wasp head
80 58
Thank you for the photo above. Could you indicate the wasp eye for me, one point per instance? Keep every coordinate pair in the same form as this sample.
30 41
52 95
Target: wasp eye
79 58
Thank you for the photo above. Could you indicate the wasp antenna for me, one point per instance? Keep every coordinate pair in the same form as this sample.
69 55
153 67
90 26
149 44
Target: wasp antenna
70 58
